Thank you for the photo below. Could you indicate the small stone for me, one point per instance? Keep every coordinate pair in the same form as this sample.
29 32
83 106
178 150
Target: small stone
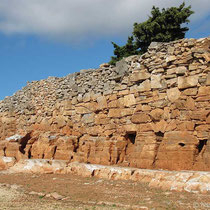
32 193
14 187
56 196
48 195
170 58
181 70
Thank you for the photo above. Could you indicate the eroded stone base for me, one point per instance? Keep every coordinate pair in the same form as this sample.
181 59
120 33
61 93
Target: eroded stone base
190 181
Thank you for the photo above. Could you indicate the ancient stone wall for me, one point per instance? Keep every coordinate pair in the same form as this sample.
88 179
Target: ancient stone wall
150 111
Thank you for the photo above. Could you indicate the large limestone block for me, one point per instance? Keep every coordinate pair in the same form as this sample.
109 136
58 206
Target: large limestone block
191 91
130 127
129 100
60 121
187 82
190 103
170 58
140 118
118 113
173 94
203 94
156 81
113 104
139 76
102 103
186 126
181 70
203 91
199 114
148 154
160 126
101 119
88 118
176 137
157 114
145 86
63 155
145 127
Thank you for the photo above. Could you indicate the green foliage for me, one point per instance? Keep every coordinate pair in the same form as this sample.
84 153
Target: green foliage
161 26
124 51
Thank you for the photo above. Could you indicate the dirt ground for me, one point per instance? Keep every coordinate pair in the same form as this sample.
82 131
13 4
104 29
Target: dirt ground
17 192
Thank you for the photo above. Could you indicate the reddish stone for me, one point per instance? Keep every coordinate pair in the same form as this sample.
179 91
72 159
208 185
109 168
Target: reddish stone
140 118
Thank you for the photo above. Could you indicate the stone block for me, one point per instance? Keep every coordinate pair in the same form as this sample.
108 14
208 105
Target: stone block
139 76
199 114
181 70
88 118
176 137
186 126
145 127
190 103
102 103
113 104
157 114
117 113
204 91
156 81
160 126
140 118
173 94
170 58
129 100
187 82
144 86
191 91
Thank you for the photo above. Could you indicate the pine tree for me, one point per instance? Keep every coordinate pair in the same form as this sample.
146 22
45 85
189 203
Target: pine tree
161 26
124 51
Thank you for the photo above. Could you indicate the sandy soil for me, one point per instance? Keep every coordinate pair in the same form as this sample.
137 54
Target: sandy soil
89 193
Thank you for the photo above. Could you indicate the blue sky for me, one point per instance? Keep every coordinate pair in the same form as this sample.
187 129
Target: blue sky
57 37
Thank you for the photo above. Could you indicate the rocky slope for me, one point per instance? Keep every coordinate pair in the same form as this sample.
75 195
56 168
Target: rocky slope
151 112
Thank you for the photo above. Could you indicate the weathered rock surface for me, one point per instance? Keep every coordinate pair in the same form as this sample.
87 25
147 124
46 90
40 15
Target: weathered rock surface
150 111
190 181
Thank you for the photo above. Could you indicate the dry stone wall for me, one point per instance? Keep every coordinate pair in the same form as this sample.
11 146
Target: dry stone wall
150 111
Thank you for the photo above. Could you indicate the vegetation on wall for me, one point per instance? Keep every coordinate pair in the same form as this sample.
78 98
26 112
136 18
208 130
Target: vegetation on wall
162 26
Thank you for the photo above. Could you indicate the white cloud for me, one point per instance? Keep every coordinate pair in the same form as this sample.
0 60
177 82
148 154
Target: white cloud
73 20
